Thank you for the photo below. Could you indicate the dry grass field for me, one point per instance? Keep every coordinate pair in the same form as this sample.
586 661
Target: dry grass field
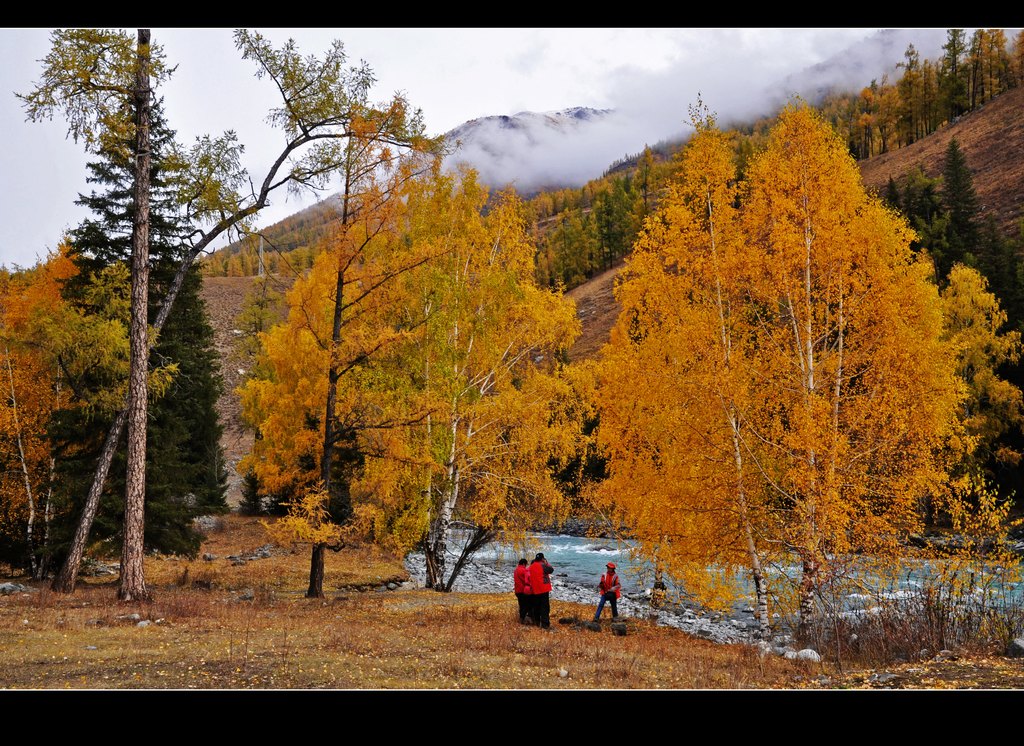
212 624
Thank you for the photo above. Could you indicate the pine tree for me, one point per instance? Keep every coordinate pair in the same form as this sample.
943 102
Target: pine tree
184 464
961 204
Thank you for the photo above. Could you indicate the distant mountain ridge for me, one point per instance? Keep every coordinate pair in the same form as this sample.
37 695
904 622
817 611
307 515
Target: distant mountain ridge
530 150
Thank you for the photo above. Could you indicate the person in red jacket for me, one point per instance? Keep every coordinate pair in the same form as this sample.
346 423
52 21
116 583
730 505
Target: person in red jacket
521 585
541 587
610 591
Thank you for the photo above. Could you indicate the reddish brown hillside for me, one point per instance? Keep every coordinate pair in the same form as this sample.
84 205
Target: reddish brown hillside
992 139
224 298
597 310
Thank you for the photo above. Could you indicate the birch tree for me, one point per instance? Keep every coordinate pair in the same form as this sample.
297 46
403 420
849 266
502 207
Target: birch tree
676 379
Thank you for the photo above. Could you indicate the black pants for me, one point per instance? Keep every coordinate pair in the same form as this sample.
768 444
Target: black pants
524 606
541 609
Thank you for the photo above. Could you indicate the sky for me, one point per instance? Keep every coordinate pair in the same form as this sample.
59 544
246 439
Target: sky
650 76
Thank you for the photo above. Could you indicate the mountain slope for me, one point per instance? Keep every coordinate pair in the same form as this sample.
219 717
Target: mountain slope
992 139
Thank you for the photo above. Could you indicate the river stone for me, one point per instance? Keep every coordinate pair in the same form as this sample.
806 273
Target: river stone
619 629
91 647
593 626
763 649
207 557
238 562
247 595
130 617
206 523
946 655
808 655
392 586
6 589
706 633
1016 648
143 623
882 678
562 673
789 655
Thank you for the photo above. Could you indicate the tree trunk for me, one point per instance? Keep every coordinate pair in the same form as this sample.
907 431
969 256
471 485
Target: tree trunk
68 575
480 537
437 540
133 583
24 470
316 572
808 584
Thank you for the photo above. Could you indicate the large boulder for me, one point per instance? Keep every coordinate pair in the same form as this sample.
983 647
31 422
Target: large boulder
1016 648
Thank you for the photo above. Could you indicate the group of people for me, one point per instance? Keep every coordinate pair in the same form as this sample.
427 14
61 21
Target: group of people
532 586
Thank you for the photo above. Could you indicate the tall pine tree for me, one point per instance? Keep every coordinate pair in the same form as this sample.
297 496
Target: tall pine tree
961 203
185 474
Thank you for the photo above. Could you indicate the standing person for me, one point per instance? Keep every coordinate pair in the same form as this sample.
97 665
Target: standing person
610 591
541 587
521 585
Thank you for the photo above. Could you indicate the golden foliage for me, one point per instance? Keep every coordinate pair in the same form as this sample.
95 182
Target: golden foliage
307 521
778 381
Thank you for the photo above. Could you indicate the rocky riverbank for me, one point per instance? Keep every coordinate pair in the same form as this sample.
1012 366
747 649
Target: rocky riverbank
735 627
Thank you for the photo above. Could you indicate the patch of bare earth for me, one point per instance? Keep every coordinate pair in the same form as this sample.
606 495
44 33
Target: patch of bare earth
597 311
225 298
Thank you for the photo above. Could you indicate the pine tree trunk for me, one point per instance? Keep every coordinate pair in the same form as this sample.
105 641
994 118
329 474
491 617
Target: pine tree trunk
133 583
316 572
68 575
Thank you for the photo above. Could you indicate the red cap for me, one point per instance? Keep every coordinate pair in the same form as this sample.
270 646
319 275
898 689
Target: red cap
611 565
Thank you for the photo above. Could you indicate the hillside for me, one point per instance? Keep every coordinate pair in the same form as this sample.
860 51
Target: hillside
225 297
992 139
597 310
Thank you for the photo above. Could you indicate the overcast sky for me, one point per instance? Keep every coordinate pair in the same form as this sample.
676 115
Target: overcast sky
451 74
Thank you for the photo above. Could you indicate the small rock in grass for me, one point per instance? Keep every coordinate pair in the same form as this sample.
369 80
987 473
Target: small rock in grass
209 557
392 586
91 647
562 673
1016 648
238 562
619 629
593 626
247 595
143 623
568 620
